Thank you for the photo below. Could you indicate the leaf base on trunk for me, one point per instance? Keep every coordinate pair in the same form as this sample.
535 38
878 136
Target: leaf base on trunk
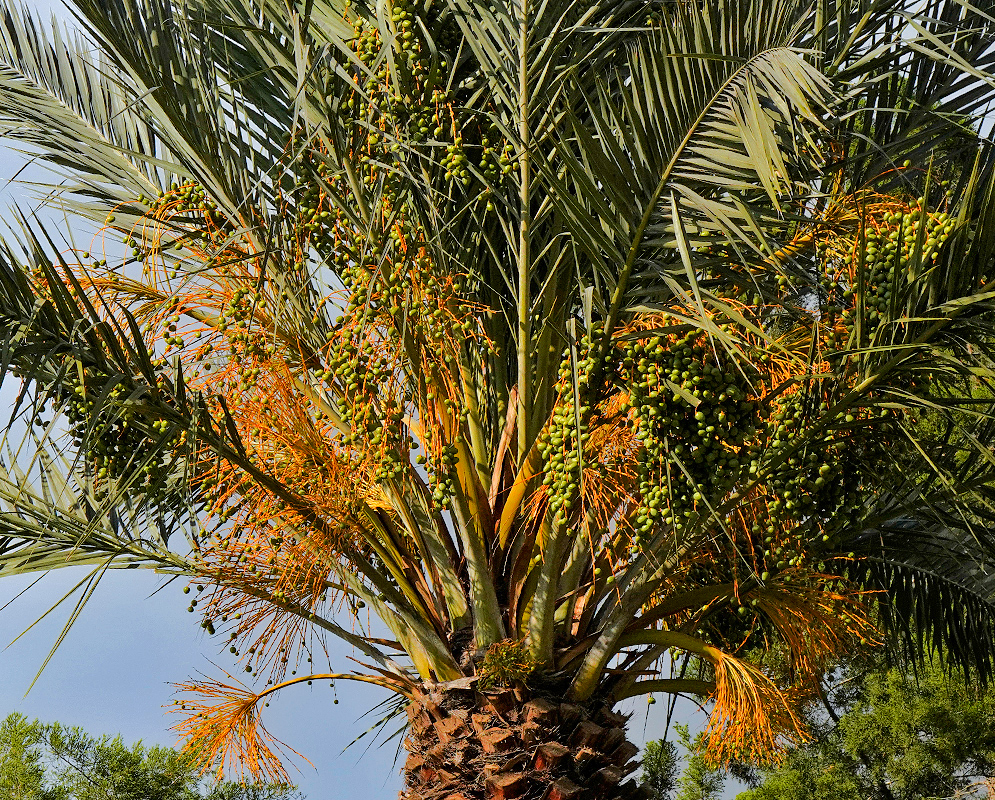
464 744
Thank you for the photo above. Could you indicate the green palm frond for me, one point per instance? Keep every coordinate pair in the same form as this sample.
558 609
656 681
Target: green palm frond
936 599
50 520
71 115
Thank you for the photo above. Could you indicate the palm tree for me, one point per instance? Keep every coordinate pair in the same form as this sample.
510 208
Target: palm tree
587 348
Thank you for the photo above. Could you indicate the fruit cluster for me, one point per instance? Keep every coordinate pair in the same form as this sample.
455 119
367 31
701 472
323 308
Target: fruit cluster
693 413
564 439
115 441
812 483
900 240
181 216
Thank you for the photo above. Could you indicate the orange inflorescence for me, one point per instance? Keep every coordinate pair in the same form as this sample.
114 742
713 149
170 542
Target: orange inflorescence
609 466
820 619
223 727
751 717
280 529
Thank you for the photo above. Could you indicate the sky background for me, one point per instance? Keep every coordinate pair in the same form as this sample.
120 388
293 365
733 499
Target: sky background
113 672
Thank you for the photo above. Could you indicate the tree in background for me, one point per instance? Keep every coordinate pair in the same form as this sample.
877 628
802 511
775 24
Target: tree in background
50 762
556 338
700 779
659 775
878 733
890 735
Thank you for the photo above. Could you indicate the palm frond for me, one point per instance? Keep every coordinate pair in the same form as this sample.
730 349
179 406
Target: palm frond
936 600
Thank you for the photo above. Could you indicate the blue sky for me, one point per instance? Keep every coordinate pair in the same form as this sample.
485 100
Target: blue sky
112 673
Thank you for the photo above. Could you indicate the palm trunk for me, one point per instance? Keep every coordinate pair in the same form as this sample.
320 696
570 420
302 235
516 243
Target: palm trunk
469 745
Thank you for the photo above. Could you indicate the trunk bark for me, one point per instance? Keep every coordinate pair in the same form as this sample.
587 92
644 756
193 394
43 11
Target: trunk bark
506 745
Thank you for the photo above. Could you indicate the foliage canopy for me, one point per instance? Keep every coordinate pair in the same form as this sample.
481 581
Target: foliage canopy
560 336
891 734
41 761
